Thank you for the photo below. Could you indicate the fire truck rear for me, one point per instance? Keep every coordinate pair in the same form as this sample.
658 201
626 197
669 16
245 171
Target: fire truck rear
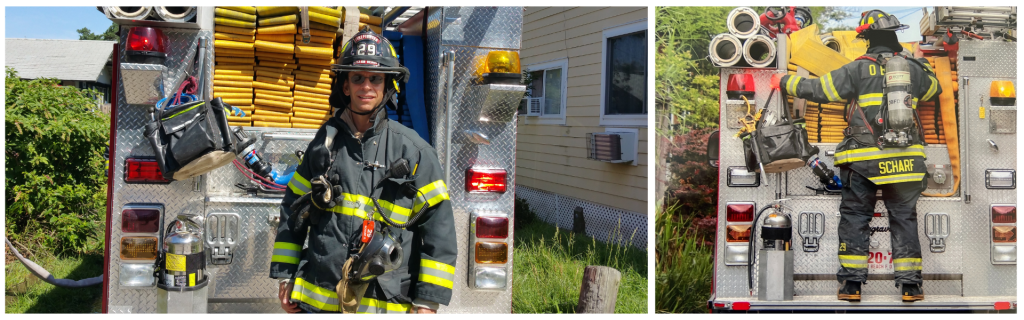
966 220
468 120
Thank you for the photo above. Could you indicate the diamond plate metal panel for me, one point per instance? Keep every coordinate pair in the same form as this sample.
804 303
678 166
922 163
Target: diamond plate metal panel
478 27
177 196
248 274
966 246
994 61
466 31
990 59
499 101
603 223
143 83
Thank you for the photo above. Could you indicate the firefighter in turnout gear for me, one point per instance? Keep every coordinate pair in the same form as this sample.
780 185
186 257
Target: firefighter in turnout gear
362 179
866 164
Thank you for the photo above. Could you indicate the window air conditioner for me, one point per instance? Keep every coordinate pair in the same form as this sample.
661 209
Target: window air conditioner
534 106
614 147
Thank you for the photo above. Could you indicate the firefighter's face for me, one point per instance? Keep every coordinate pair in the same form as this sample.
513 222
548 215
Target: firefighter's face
364 89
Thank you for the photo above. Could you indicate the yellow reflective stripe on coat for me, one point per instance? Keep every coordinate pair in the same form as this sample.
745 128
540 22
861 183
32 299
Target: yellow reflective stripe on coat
829 88
897 178
359 206
299 185
792 84
906 264
873 153
931 89
320 298
431 194
856 262
869 100
286 252
371 305
438 273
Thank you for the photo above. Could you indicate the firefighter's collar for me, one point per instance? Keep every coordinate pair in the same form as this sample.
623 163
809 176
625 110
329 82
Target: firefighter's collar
346 117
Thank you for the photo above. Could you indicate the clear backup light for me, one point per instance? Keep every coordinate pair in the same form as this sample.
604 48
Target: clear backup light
490 278
136 275
1000 179
740 177
736 255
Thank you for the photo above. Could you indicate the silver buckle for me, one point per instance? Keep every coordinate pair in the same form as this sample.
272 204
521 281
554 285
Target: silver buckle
222 235
936 227
812 230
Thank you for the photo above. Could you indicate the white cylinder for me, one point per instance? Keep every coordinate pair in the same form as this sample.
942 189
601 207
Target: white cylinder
725 50
133 13
175 14
743 22
759 51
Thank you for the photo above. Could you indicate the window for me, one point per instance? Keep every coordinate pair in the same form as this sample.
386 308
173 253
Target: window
547 92
624 75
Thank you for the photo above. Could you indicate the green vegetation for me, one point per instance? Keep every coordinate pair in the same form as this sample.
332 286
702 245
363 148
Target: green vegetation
549 264
109 35
55 191
683 263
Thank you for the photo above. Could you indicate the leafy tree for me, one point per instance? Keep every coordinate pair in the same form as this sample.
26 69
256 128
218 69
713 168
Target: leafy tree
109 35
55 189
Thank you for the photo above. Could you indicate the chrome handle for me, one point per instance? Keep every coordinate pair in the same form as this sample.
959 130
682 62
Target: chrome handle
449 84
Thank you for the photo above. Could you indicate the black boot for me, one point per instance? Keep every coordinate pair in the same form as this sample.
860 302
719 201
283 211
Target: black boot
912 292
849 291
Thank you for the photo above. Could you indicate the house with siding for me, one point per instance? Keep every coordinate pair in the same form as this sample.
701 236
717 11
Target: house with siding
84 64
588 70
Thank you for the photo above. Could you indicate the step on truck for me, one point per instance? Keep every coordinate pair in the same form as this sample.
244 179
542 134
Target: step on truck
968 238
470 123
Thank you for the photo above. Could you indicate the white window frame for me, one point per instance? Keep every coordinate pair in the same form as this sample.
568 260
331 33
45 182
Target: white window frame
620 120
553 118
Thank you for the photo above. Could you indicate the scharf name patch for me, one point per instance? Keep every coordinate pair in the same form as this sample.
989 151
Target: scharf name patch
895 166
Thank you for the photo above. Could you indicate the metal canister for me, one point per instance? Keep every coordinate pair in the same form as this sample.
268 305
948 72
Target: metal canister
777 231
184 260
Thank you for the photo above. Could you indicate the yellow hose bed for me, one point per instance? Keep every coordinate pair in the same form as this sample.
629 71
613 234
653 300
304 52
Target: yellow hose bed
235 30
233 22
232 37
275 11
273 21
228 13
274 46
233 53
273 92
232 89
281 29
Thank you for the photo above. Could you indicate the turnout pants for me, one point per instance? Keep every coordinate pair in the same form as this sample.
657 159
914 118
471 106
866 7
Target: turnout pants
857 208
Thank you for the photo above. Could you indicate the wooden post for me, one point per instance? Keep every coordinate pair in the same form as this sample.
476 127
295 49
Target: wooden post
599 291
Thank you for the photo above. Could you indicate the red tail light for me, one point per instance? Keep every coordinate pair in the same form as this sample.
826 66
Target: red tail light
486 180
140 220
740 85
1003 305
143 171
1004 214
739 212
492 227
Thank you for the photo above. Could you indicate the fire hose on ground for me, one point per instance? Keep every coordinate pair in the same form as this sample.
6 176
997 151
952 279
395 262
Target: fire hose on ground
41 273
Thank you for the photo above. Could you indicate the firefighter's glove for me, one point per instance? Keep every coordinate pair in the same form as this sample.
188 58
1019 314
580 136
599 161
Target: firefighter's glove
324 192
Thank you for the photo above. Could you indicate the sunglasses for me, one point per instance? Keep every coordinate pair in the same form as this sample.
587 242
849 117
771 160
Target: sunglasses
358 79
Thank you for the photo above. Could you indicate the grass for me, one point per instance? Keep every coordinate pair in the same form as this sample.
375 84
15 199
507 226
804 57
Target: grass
549 267
683 266
25 293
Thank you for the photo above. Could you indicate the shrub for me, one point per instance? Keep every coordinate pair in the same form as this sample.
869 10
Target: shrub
694 182
55 190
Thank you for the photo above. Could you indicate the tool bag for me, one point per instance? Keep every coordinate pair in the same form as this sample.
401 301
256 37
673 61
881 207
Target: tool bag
191 139
782 146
